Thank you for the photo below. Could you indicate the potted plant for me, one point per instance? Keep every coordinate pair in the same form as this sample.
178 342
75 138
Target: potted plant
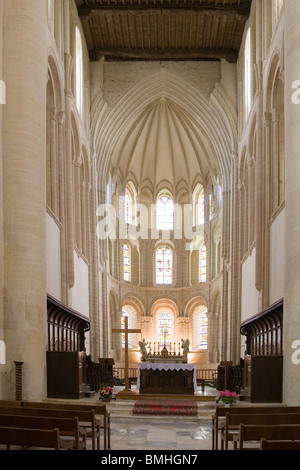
228 398
105 393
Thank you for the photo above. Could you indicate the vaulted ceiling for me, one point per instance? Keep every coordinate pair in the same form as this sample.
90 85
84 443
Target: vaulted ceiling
163 29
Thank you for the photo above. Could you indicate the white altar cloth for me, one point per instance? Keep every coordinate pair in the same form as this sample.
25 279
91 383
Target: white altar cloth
166 366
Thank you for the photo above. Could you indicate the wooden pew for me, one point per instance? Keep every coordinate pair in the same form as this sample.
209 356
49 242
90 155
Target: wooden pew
100 410
220 413
10 403
252 432
87 419
25 437
72 437
266 444
232 422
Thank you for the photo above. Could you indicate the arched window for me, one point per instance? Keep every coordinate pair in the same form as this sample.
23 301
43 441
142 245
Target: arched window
248 75
200 327
202 264
164 213
203 330
79 71
164 328
126 262
50 13
124 314
198 205
130 201
164 265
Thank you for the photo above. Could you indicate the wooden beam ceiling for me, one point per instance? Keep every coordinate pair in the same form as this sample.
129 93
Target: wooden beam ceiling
163 29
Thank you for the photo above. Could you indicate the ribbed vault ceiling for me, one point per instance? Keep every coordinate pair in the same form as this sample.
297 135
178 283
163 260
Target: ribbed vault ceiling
160 138
162 145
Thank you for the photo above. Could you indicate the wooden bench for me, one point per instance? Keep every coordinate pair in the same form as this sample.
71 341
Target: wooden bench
25 437
100 410
10 403
266 444
68 427
220 413
232 421
252 432
87 419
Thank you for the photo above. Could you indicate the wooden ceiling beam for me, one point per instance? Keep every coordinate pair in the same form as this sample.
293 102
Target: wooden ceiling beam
161 54
241 10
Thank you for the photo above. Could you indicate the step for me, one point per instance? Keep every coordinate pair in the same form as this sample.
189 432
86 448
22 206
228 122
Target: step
119 409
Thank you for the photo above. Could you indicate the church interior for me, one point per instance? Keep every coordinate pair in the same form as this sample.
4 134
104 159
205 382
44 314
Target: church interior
149 218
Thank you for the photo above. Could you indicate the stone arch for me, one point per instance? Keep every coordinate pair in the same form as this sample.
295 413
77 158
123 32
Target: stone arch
164 301
273 71
135 301
57 81
195 301
201 115
54 123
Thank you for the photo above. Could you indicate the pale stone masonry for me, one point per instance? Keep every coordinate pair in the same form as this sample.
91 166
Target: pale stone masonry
160 126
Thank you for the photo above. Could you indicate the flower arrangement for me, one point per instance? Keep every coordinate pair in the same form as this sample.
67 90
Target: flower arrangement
228 398
106 392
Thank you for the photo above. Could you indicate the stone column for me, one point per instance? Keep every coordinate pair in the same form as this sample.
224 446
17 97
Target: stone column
2 104
24 205
69 173
235 315
291 317
53 160
95 304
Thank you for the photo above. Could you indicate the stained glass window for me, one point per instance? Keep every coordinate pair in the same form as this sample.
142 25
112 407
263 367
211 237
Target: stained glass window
124 314
164 213
202 264
164 265
126 262
203 330
164 329
200 208
128 207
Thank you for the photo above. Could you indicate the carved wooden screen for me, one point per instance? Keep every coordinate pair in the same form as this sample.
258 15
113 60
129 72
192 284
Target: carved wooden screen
66 327
264 332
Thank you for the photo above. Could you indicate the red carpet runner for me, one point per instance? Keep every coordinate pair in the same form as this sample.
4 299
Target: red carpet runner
165 407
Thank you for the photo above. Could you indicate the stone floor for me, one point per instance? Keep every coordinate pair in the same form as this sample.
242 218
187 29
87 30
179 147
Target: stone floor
146 433
170 434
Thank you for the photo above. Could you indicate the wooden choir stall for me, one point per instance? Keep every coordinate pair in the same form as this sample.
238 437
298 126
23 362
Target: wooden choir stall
66 356
263 371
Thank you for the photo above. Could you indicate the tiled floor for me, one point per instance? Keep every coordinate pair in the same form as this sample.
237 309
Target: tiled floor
173 434
160 433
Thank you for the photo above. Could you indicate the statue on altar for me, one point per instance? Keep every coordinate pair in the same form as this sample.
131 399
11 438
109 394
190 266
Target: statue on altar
144 352
185 345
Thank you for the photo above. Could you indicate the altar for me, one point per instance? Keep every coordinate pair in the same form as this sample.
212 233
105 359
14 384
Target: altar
166 378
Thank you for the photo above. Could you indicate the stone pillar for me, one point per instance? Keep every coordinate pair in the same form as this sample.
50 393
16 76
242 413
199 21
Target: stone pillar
95 305
69 173
2 104
24 204
235 315
291 318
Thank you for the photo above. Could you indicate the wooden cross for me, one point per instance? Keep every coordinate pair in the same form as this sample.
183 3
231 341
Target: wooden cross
126 331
